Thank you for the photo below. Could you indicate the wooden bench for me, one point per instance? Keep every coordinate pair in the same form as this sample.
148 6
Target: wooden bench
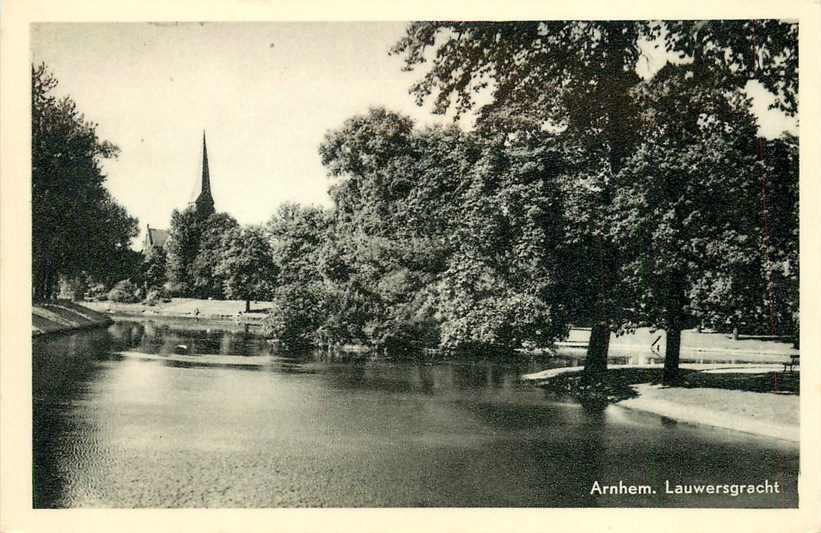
794 361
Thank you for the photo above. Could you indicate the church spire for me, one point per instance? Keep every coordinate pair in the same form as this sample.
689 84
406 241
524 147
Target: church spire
205 202
206 178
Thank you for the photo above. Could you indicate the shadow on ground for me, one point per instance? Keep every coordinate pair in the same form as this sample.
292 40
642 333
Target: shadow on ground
778 382
616 384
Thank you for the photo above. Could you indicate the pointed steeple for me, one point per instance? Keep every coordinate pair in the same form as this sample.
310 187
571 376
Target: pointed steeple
205 202
206 178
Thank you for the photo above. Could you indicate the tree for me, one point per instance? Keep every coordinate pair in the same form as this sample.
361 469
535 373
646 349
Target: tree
372 161
195 243
247 265
756 290
77 227
215 229
571 77
154 268
446 236
298 237
688 207
501 286
296 315
388 241
182 248
577 78
297 234
731 53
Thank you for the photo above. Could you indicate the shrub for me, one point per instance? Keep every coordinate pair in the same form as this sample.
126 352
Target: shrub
409 337
171 288
72 287
295 316
154 296
97 292
124 292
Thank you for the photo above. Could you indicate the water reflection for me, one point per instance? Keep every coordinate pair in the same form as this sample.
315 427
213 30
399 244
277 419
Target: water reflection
158 431
164 337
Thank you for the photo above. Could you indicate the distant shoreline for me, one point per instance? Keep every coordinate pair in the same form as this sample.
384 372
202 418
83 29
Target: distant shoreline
227 311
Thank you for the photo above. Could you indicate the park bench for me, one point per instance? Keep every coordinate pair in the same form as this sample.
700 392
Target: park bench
794 361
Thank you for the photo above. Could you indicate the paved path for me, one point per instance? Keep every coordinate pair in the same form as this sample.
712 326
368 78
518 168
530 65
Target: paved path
766 414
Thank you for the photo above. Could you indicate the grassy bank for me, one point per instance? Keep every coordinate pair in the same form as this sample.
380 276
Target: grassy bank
766 414
62 315
692 342
183 308
760 400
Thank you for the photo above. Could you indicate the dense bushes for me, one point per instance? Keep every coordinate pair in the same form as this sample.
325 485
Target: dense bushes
155 295
295 317
97 292
124 292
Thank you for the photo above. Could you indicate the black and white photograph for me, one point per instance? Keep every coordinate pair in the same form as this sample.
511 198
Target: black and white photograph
434 263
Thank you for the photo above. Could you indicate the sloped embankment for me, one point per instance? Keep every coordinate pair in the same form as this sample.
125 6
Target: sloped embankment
62 315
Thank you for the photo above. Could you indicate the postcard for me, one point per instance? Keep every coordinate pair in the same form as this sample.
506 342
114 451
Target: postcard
456 268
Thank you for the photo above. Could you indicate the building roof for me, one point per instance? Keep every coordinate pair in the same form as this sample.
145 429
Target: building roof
155 237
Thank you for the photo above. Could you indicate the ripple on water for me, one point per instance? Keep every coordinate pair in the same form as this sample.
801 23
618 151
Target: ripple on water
156 430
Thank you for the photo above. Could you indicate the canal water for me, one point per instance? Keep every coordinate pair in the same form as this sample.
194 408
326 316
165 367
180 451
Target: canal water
178 414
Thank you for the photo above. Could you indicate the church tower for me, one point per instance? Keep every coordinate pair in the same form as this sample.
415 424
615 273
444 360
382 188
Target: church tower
205 202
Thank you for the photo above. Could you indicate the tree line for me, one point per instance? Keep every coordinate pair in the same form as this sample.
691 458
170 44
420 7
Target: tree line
584 194
209 255
643 147
81 236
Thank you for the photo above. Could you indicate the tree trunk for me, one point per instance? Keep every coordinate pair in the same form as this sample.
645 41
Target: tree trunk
247 306
49 285
41 285
37 284
672 353
675 320
595 363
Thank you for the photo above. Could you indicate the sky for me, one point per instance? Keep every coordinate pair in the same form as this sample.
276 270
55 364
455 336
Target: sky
265 93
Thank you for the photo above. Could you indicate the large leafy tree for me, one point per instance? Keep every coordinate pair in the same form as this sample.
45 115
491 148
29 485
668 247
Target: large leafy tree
374 154
215 229
182 248
154 268
501 285
195 243
77 227
755 289
388 242
573 77
577 78
688 207
297 235
447 236
246 265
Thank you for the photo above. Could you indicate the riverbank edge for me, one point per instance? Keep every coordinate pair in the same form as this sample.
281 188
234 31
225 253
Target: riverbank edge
697 405
63 316
656 400
188 317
